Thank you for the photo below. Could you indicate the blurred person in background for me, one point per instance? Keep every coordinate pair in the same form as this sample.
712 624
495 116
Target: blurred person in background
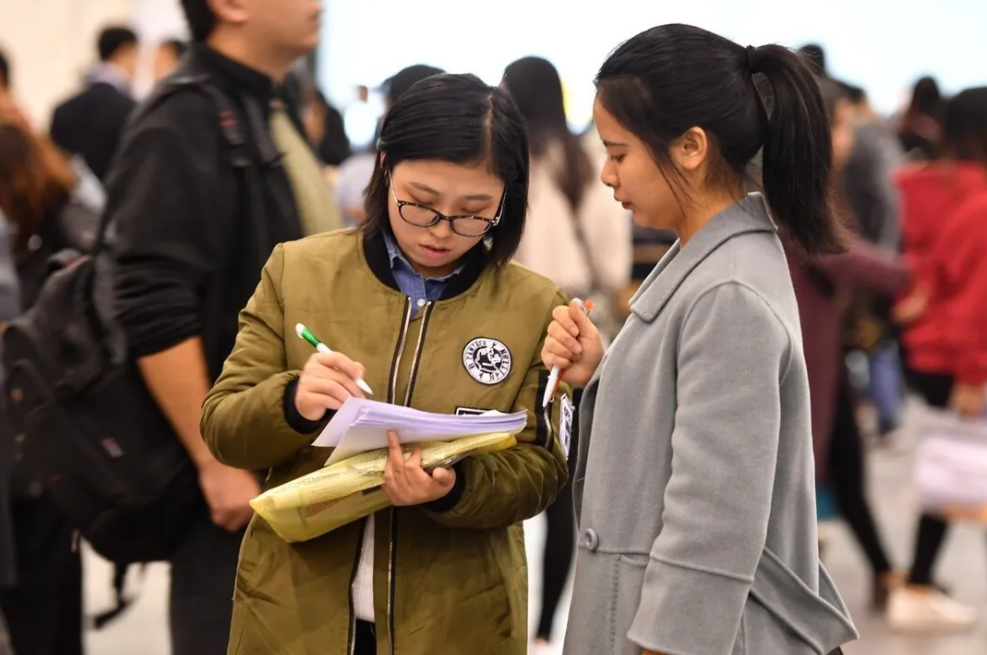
362 119
872 201
945 234
868 175
300 92
167 56
919 128
10 308
324 127
815 55
47 208
90 124
10 111
192 236
355 173
823 285
578 237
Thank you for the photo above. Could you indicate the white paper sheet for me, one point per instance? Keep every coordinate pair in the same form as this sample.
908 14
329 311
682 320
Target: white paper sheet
361 425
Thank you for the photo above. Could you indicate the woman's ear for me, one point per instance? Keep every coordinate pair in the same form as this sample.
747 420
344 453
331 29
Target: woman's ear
690 150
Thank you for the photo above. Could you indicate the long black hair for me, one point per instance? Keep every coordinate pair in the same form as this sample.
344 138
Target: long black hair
536 87
926 98
664 81
964 129
462 120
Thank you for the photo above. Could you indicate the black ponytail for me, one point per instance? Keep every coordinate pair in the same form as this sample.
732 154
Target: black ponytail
671 78
798 152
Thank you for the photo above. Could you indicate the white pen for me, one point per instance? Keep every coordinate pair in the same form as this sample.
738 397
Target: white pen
553 377
304 333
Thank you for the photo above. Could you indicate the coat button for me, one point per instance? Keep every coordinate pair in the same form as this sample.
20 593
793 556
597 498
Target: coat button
591 540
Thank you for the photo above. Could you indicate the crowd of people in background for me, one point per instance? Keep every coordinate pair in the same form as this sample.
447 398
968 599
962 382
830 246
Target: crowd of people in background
907 296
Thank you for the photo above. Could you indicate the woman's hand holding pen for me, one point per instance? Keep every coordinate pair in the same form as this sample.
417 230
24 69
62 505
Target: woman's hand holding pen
573 344
326 382
406 483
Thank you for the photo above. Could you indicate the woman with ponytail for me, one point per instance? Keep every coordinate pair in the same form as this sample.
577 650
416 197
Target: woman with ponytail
694 479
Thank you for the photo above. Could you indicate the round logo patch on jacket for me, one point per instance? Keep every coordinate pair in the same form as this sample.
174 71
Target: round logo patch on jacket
487 360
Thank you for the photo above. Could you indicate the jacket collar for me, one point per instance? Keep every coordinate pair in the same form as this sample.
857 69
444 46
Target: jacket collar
235 75
748 215
379 259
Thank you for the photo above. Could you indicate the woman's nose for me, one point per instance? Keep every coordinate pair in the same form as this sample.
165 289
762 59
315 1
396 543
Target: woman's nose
442 229
608 176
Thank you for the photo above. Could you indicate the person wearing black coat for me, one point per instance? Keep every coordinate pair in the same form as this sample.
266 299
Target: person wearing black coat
91 123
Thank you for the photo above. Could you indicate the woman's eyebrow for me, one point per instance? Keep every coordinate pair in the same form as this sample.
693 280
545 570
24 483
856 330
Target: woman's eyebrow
424 187
474 196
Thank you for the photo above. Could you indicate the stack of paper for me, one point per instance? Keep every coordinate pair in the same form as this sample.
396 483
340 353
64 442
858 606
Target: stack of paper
361 425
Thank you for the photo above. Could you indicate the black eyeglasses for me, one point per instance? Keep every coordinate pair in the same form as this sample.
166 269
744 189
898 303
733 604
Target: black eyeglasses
464 225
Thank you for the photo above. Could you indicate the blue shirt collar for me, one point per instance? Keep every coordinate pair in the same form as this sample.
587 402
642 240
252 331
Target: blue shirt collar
397 258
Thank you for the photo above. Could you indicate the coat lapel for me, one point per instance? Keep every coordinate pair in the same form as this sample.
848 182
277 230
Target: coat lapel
749 215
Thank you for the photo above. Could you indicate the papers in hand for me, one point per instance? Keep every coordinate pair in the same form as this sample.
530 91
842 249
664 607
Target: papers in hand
361 425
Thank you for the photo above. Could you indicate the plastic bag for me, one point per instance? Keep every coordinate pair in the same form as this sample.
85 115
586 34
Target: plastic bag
331 497
951 463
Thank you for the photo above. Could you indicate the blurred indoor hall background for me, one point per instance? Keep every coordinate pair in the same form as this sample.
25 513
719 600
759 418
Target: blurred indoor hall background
889 71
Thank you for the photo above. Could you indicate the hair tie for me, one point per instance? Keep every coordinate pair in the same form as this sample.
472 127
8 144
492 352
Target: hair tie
751 55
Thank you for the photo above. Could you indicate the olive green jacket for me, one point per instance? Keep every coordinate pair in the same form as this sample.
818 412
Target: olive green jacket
450 577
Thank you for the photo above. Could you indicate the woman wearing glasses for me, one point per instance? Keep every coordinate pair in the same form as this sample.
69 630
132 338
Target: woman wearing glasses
423 304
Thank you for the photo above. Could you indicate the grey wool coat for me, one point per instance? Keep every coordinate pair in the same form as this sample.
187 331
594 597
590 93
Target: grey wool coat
694 481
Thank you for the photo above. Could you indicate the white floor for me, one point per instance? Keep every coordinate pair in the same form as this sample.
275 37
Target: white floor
963 567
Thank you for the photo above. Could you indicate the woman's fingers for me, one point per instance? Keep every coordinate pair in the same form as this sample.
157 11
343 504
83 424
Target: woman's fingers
320 372
338 367
340 362
395 453
560 350
561 316
335 394
561 336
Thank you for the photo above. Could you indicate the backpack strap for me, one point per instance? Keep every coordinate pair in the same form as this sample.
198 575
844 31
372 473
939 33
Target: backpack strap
229 124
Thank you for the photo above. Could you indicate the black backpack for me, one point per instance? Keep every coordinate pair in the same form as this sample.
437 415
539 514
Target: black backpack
83 418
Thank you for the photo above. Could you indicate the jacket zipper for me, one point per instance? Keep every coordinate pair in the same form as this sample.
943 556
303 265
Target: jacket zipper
398 351
394 525
418 354
391 394
549 433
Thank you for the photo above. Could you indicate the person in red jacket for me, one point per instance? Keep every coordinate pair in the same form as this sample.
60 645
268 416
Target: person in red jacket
945 237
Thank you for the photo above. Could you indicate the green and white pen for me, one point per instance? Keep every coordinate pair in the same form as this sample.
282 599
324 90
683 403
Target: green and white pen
304 333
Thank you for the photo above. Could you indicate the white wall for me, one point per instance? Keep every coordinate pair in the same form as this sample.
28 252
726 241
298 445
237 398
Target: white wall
883 45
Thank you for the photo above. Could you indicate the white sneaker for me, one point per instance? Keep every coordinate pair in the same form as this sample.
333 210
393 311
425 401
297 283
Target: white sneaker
911 610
